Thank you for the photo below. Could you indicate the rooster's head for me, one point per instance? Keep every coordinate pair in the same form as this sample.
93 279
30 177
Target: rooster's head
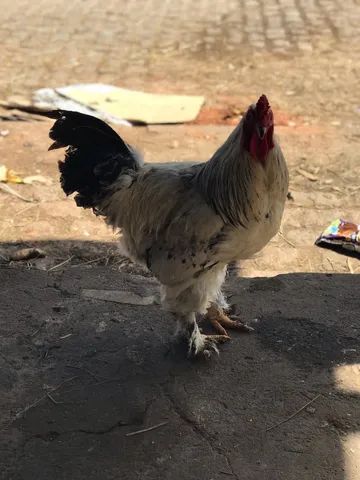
259 129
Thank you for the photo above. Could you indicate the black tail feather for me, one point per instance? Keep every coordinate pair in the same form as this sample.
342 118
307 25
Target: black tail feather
95 157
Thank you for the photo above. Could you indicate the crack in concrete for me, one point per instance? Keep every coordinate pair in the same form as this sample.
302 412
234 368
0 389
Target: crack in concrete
104 431
53 434
200 431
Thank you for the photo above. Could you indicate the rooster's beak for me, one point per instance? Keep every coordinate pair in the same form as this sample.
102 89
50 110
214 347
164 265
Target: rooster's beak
261 131
56 145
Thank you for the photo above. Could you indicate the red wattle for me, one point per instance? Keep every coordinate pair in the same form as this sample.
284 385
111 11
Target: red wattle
259 148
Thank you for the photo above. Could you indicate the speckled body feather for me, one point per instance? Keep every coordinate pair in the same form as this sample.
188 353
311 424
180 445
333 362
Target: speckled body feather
187 224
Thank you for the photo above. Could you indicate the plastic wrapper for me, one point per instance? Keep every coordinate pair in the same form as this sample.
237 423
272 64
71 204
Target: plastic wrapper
342 236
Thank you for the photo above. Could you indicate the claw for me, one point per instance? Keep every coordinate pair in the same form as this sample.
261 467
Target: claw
240 325
220 321
204 344
218 327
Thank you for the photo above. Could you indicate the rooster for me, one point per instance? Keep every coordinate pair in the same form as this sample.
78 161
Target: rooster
187 223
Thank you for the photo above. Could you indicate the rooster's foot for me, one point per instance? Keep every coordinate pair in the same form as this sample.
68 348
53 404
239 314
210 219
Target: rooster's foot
219 320
204 344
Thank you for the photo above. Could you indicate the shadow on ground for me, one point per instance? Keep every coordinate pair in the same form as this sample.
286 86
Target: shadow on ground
78 375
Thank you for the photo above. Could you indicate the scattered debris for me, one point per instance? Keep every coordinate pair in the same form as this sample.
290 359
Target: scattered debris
60 309
101 327
294 414
46 395
37 330
228 110
341 236
37 179
351 270
7 189
113 104
286 239
15 117
55 402
219 114
289 196
17 114
26 254
134 106
9 176
107 258
331 263
144 430
348 350
66 336
118 296
310 176
60 264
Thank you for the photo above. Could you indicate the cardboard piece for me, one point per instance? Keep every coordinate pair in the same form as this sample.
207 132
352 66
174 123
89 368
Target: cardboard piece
134 106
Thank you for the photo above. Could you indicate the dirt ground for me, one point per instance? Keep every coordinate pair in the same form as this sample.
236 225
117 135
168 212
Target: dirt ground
77 375
323 161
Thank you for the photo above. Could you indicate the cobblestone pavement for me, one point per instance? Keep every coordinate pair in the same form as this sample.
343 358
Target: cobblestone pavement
47 43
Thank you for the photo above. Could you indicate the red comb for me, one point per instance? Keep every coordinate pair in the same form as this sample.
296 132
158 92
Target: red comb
262 105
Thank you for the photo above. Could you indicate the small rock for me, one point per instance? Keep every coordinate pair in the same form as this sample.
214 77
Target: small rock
60 308
115 320
101 327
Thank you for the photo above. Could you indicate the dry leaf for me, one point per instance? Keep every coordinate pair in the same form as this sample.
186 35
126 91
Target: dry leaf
9 176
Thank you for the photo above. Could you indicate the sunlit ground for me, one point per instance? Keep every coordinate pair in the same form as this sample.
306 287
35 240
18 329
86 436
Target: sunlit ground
348 380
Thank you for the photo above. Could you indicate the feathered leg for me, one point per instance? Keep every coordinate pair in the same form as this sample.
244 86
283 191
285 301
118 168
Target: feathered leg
220 321
198 342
